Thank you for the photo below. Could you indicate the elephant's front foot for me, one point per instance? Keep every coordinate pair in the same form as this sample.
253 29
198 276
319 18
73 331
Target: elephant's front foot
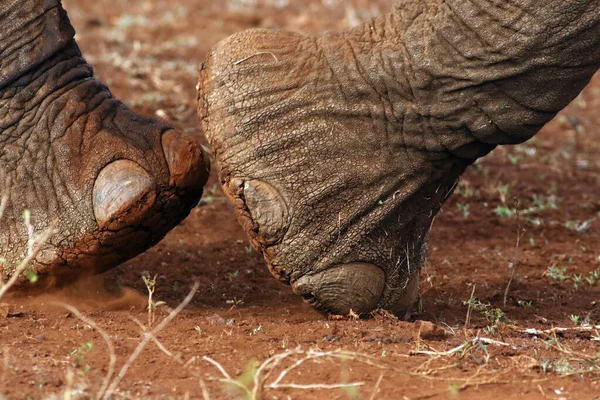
112 182
326 165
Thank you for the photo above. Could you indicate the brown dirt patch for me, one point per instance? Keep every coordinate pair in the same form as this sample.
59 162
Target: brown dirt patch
148 52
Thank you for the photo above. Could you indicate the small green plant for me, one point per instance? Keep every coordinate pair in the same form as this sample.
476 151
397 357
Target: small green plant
523 303
503 192
514 160
557 273
593 278
233 275
235 302
579 226
503 211
78 355
198 329
563 367
209 195
453 389
256 330
495 317
152 305
464 208
574 319
31 276
577 280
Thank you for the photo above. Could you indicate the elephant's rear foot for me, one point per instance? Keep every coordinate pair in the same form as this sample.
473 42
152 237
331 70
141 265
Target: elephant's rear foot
328 170
337 152
112 182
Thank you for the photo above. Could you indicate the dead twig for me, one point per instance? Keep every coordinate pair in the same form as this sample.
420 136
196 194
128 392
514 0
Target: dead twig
546 332
458 349
469 310
263 372
153 338
376 388
34 248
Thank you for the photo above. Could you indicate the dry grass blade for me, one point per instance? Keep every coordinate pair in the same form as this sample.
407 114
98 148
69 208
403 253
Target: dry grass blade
376 388
469 310
35 248
462 347
227 378
262 373
538 332
154 339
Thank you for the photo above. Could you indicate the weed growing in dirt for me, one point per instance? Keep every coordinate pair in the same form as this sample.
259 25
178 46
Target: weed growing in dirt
513 159
495 317
235 302
579 226
233 275
152 305
557 273
209 195
560 274
572 362
78 356
464 208
539 204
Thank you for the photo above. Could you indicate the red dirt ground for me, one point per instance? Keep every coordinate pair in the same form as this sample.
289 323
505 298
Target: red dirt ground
148 52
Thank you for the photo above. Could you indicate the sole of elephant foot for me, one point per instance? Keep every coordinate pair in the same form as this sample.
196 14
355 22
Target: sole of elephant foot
110 182
337 192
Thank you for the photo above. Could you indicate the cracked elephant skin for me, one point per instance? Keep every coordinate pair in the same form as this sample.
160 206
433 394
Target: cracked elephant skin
338 151
110 182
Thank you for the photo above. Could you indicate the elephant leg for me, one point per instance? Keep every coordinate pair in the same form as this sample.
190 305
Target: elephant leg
338 151
111 182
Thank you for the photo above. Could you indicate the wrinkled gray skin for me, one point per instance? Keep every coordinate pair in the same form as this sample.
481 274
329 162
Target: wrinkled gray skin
338 151
113 182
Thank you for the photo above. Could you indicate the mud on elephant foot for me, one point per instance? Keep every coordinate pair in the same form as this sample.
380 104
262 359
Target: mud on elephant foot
112 181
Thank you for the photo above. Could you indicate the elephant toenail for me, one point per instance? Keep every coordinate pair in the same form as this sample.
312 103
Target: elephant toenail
122 193
187 163
355 287
267 208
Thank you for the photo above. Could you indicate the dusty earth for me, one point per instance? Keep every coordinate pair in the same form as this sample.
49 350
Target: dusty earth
240 317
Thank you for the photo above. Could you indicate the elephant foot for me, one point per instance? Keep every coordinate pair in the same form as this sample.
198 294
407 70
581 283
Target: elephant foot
112 182
328 164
